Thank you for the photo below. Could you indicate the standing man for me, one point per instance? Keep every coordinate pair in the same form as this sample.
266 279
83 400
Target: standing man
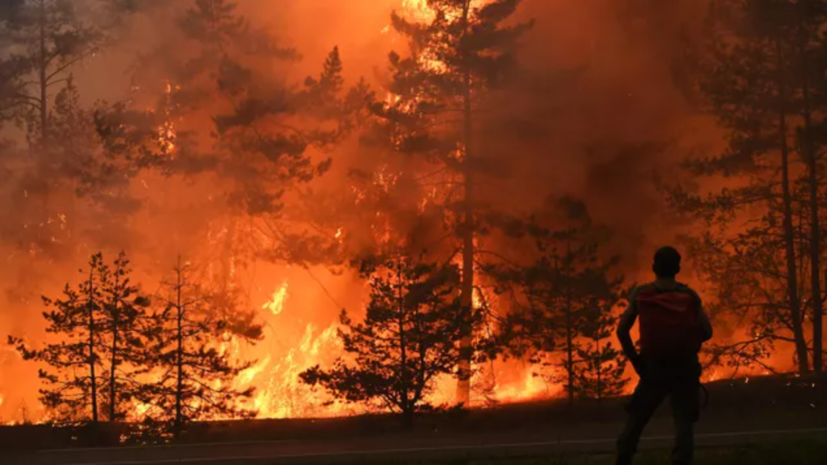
673 326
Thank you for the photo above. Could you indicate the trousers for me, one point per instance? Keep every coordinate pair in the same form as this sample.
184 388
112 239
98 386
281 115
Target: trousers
680 381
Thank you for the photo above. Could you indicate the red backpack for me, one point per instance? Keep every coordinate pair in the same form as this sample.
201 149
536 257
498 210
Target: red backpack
669 322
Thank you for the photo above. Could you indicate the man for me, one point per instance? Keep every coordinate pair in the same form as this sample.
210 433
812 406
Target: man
673 326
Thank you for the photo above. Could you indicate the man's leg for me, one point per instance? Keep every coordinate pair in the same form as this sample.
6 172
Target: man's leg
646 399
685 412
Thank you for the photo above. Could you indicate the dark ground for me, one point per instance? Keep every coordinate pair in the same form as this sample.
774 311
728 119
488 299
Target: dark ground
756 410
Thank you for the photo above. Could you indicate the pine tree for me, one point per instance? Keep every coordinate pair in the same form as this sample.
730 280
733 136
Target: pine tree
564 301
76 360
408 339
123 318
601 368
47 39
196 373
456 57
223 113
760 79
808 41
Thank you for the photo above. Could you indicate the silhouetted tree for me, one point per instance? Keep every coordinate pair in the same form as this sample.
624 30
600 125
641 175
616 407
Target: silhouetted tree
195 371
123 317
410 336
76 360
101 348
762 76
46 39
456 56
600 369
564 301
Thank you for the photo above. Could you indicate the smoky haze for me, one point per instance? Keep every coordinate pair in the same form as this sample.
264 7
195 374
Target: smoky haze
594 112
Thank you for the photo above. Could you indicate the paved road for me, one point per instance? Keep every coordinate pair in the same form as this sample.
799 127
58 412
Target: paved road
391 449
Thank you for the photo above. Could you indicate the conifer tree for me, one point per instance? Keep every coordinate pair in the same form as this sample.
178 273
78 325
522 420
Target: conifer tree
195 373
47 38
761 79
76 360
601 369
123 318
408 339
563 315
456 57
101 348
222 112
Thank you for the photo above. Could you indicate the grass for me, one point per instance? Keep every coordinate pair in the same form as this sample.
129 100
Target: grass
791 453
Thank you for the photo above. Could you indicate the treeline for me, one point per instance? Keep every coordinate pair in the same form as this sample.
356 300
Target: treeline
235 150
114 353
432 243
761 71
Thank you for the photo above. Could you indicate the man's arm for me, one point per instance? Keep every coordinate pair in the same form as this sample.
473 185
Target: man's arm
627 321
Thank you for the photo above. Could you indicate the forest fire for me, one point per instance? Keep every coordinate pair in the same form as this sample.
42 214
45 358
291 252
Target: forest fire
292 227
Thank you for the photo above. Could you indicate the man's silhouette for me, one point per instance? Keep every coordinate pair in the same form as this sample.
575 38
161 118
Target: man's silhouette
673 326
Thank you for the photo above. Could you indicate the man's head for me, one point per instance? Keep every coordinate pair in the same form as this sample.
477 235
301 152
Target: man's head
667 263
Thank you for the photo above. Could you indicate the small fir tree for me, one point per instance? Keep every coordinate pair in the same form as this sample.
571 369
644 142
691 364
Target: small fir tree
600 370
410 337
187 340
75 362
124 316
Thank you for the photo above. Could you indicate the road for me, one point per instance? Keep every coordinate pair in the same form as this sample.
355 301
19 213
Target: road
390 449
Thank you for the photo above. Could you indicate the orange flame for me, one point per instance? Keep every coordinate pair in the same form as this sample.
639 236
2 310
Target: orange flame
276 304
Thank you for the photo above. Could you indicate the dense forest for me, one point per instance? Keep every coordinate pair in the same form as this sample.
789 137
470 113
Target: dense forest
293 208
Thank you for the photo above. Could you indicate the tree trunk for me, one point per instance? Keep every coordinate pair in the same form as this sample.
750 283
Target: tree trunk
112 392
815 230
403 349
42 77
467 235
599 363
114 362
93 379
789 235
179 389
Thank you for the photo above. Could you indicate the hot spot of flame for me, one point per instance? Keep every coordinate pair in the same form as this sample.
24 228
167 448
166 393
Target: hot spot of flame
276 303
247 376
166 131
418 10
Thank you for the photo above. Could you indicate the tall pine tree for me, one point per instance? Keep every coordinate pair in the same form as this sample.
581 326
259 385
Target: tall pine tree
456 56
762 77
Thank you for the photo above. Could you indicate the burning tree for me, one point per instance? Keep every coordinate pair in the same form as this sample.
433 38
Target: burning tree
42 43
98 327
222 116
458 52
761 247
569 295
410 337
195 369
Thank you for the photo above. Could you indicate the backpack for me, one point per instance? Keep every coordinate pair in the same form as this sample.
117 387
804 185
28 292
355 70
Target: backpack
670 325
